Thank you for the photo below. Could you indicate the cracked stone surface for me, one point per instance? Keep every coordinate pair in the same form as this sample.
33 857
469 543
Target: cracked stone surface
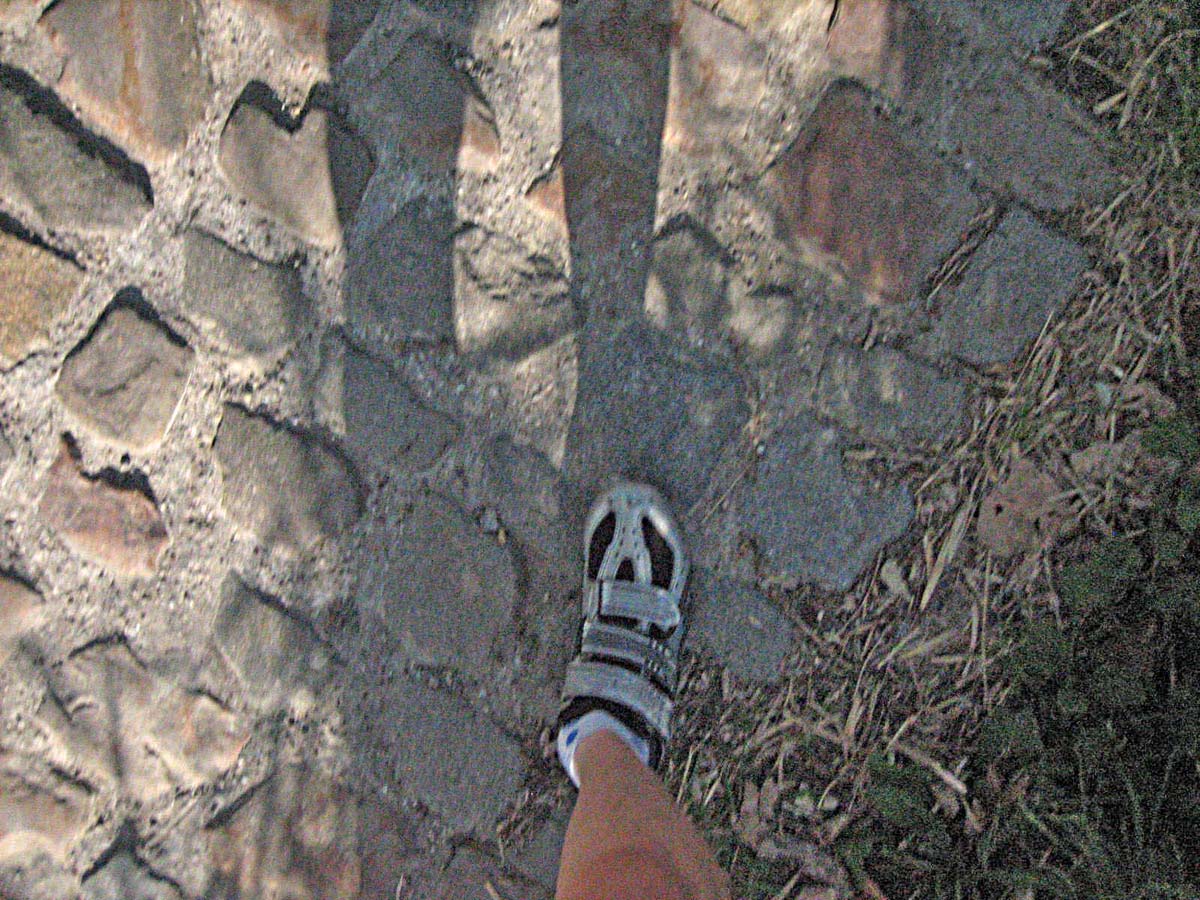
321 322
126 379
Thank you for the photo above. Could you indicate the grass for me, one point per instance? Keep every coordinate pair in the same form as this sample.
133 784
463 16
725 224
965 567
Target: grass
1016 728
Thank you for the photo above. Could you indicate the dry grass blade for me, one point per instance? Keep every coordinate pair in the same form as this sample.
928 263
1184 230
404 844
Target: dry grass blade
1139 78
948 550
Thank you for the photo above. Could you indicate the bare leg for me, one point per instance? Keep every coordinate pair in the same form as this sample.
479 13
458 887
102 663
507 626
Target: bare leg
627 839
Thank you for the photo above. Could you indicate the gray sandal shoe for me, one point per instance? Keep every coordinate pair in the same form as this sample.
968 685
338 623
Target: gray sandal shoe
634 576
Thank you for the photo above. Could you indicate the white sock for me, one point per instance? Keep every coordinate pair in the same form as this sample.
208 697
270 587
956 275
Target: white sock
572 734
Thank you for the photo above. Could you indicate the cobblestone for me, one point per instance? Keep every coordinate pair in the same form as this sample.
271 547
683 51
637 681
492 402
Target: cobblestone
809 521
134 69
305 834
134 732
739 626
648 409
125 380
116 526
1017 278
124 877
309 173
438 751
63 178
325 31
854 189
889 395
384 424
37 818
438 586
423 105
256 310
286 488
38 288
275 656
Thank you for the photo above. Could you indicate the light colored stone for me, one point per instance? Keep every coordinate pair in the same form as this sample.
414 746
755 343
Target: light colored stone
125 380
309 175
135 732
124 877
324 31
718 79
62 178
117 527
36 818
276 657
134 69
36 288
255 309
286 488
306 836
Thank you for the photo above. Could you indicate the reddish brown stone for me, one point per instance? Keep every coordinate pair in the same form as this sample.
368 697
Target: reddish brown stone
34 818
136 732
312 28
303 834
548 199
718 77
853 190
134 68
35 289
118 527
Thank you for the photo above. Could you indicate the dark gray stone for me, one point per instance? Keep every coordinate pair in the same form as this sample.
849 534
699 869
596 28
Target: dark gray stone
385 424
650 409
526 491
6 453
257 310
1031 23
442 589
508 300
400 277
887 395
124 878
287 488
44 169
275 656
439 751
686 291
125 379
809 521
309 176
1021 274
739 626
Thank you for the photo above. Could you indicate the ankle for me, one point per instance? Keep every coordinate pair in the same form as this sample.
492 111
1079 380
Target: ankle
617 738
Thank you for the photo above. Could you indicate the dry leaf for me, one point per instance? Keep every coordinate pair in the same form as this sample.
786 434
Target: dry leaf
1022 514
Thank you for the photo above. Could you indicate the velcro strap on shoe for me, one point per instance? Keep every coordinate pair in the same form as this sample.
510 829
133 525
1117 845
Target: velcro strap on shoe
654 657
632 600
609 682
